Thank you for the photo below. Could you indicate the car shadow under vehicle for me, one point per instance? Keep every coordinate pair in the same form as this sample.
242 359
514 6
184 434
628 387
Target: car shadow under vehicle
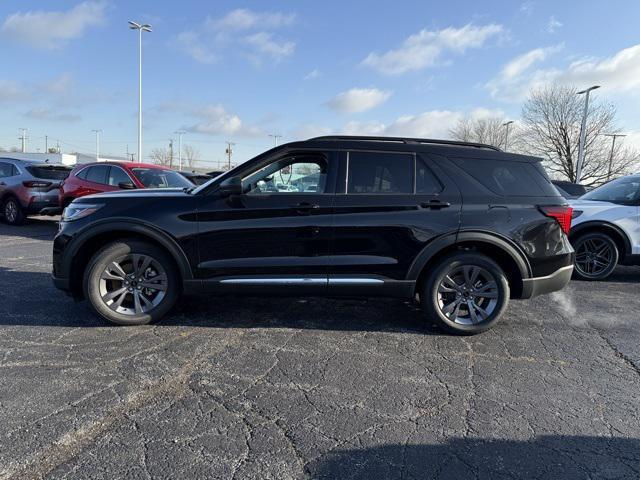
548 456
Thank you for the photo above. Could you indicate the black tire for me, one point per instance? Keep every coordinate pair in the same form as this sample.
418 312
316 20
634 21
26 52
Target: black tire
95 285
437 296
602 249
12 211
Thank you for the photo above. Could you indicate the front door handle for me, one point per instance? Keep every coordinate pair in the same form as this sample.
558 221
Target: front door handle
305 207
435 204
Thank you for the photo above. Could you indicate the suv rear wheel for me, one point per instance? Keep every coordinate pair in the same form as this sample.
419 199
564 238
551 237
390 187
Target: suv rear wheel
596 256
466 293
12 211
131 282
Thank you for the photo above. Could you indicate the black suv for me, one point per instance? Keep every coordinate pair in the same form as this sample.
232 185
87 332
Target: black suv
463 226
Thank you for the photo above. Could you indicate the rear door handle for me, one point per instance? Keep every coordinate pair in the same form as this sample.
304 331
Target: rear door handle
435 204
306 207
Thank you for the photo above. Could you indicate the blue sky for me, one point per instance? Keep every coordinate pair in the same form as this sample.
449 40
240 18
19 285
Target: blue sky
240 71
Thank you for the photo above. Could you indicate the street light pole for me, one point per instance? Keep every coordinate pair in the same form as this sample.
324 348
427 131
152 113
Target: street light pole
506 134
140 28
97 132
583 132
613 146
275 137
180 133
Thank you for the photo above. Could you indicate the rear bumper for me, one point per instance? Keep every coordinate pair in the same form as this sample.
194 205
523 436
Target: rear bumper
557 280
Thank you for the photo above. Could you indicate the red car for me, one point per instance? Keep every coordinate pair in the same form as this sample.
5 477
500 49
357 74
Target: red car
98 177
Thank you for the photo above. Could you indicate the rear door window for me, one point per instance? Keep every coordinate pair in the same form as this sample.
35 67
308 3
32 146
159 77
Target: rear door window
426 181
118 176
509 177
380 173
97 174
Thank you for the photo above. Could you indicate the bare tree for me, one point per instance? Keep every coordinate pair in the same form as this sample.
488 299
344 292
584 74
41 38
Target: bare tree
162 156
551 119
190 155
489 130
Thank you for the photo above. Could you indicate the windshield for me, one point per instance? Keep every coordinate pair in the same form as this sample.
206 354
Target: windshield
159 178
625 191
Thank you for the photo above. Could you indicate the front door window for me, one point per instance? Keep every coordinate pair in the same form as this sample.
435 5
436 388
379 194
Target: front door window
289 176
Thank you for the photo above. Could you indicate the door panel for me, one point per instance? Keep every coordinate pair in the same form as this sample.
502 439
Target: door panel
378 235
278 231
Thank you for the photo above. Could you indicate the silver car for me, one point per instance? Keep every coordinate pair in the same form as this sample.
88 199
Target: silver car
29 188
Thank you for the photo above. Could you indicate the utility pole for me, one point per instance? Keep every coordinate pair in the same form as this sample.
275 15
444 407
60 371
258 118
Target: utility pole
229 152
275 137
46 144
613 146
180 133
171 153
23 137
583 131
97 132
506 133
141 28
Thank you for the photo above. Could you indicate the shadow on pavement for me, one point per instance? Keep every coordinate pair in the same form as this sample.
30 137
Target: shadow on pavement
34 227
51 307
561 457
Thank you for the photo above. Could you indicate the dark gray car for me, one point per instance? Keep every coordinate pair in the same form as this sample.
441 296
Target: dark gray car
29 188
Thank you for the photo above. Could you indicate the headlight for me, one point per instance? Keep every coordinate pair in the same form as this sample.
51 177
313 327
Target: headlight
80 210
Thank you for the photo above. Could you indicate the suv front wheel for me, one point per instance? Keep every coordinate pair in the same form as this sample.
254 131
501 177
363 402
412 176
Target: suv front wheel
131 282
466 293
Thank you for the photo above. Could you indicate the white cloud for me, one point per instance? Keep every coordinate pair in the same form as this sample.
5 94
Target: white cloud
216 120
619 73
11 91
192 44
52 30
263 44
313 74
249 33
358 100
47 114
426 48
430 124
244 19
526 8
309 130
553 24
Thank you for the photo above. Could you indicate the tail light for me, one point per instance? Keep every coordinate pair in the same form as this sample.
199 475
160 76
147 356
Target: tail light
36 184
561 213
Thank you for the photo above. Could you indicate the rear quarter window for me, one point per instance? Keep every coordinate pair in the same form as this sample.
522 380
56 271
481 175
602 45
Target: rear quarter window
509 177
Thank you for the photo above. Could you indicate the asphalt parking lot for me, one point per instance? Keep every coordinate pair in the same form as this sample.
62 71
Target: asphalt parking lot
313 388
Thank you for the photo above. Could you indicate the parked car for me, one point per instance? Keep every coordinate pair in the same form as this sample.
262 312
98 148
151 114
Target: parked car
98 177
606 228
569 190
29 188
195 178
464 226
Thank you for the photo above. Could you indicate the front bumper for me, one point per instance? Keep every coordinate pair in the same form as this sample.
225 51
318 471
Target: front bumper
532 287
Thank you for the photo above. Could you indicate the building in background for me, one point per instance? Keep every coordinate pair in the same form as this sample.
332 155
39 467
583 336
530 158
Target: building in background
61 158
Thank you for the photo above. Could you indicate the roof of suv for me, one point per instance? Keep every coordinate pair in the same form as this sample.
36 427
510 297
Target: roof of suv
443 147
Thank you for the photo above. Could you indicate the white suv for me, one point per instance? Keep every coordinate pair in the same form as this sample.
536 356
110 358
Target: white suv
605 229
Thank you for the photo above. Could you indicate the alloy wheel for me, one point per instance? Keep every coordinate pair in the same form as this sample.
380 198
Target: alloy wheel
133 284
468 294
10 211
594 256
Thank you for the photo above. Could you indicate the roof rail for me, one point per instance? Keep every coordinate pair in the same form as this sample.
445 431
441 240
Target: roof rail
406 140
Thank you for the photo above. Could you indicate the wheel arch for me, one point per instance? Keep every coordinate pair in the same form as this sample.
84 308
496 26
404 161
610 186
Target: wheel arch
97 236
616 233
499 249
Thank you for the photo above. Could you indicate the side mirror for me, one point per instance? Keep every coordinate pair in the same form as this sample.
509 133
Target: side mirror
126 185
231 186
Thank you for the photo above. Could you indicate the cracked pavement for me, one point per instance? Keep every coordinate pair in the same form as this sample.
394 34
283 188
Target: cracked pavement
313 388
